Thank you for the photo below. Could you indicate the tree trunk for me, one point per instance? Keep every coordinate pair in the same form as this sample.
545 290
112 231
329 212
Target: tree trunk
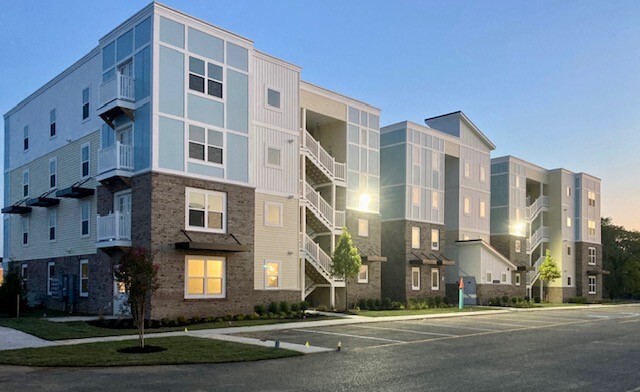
141 323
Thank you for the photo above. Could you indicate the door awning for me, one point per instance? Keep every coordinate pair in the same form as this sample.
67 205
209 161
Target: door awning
75 192
211 246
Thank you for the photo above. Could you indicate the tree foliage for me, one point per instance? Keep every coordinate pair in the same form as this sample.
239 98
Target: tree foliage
346 261
140 278
549 270
11 288
621 257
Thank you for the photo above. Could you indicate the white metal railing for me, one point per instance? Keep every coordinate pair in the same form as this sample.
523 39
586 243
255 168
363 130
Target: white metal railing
340 219
542 233
119 156
317 255
115 226
117 87
534 208
533 275
323 158
320 205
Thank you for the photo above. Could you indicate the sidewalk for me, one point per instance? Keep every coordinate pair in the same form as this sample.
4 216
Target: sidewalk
11 339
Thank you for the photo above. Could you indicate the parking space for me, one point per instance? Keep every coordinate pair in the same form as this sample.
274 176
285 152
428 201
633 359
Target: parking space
372 334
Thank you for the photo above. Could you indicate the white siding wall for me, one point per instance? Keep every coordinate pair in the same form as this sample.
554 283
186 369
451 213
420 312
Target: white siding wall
584 212
268 72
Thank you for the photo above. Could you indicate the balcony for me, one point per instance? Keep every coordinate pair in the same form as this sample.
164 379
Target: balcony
335 171
117 96
538 236
114 230
541 204
115 162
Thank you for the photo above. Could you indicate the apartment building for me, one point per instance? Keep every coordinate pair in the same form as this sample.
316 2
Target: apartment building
181 137
533 210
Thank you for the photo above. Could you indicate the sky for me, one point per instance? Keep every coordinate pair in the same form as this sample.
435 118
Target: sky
556 83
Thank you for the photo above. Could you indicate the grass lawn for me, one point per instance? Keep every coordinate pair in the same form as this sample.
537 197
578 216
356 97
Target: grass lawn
412 312
180 350
555 305
75 330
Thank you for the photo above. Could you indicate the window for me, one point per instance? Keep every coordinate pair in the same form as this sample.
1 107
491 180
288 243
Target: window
592 284
25 183
435 279
85 157
273 98
415 237
434 199
467 206
204 277
568 281
205 145
363 227
85 103
198 78
467 169
415 196
51 275
272 214
53 223
415 278
483 209
592 198
517 182
568 251
25 230
591 225
25 138
568 191
84 278
483 174
503 278
363 275
23 274
273 157
206 210
52 123
518 279
53 172
592 256
568 221
272 274
435 239
85 209
518 246
489 277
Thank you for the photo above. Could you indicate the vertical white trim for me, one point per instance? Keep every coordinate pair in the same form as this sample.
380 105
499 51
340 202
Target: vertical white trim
415 285
437 279
80 292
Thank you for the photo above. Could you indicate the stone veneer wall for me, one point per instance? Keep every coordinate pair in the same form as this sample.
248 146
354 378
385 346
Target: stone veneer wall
369 246
506 245
583 268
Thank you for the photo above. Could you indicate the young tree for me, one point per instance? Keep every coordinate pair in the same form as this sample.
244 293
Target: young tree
140 278
12 291
346 261
549 270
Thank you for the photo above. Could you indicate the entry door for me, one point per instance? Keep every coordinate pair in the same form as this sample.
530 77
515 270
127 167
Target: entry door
124 136
123 206
126 69
120 299
470 297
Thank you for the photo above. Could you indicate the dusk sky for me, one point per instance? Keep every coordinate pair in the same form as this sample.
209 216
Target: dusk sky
556 83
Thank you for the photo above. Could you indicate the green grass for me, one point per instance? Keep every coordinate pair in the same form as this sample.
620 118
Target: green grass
412 312
50 330
555 305
180 350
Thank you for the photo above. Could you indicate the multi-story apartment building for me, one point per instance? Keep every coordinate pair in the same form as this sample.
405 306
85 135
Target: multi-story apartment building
180 137
534 210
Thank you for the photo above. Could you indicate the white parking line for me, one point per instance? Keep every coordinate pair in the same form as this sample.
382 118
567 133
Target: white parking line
404 330
448 326
350 336
496 323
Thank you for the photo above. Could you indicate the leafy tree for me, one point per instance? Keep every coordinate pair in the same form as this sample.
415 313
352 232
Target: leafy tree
618 247
140 278
631 277
549 270
346 261
11 288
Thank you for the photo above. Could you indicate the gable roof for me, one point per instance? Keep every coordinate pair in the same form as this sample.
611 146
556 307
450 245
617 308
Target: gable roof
459 114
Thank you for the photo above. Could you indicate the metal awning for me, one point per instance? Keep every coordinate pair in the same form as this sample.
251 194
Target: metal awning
42 201
75 192
431 259
14 209
596 271
212 246
372 259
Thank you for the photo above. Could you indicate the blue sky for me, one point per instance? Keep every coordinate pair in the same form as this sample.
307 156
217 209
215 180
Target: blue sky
553 82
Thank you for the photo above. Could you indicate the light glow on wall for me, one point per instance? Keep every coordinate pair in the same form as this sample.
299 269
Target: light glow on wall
365 200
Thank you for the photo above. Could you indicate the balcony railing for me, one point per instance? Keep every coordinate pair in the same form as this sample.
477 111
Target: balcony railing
114 227
340 219
323 159
117 157
118 87
535 207
320 205
541 234
317 255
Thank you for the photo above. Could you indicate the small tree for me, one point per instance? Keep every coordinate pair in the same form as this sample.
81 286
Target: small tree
346 261
549 270
140 278
12 291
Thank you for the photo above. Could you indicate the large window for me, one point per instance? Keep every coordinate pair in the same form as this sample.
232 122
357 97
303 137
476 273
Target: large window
363 275
85 159
363 227
272 274
273 98
206 210
415 237
483 173
569 221
434 199
435 239
52 123
204 277
592 256
205 144
84 278
467 169
415 278
592 198
467 206
85 209
25 183
483 209
591 228
272 214
53 173
53 224
592 284
51 275
85 103
415 196
205 77
435 279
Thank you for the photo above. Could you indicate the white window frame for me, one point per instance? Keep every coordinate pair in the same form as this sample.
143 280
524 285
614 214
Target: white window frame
467 206
592 255
206 259
85 204
518 246
592 287
88 161
266 98
568 191
26 174
266 156
591 228
435 245
363 227
52 216
363 268
206 192
434 199
25 137
467 169
87 102
568 281
54 123
591 195
49 277
266 274
268 204
415 195
81 278
489 276
24 273
436 280
414 286
568 250
53 175
483 173
206 145
503 277
518 279
206 78
569 222
415 237
26 222
483 209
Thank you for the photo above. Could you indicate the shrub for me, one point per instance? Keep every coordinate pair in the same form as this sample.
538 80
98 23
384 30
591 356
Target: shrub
284 307
273 307
371 304
238 317
577 300
362 304
438 301
496 301
181 320
295 307
536 299
395 305
505 300
322 308
260 309
166 322
378 304
196 320
254 316
431 302
209 319
304 305
228 317
9 291
386 304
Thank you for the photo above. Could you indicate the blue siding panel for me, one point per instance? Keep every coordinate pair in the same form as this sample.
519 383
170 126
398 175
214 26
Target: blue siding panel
171 32
205 170
237 101
206 110
171 84
237 157
143 73
206 45
171 144
142 137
